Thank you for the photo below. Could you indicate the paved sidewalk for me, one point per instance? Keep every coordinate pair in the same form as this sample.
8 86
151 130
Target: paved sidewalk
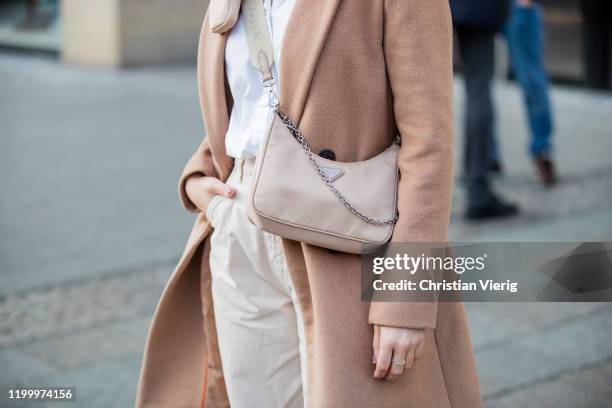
91 228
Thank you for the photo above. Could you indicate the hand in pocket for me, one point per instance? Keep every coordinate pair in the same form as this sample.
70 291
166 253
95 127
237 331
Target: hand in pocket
202 189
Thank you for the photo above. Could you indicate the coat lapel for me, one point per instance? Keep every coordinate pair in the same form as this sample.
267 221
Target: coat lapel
303 41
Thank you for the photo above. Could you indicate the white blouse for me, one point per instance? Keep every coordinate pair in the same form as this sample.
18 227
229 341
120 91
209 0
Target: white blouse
250 112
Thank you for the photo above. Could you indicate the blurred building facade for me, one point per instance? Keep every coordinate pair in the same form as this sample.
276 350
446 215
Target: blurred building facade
118 33
107 33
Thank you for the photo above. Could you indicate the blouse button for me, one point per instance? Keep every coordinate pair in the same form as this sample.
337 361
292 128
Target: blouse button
328 154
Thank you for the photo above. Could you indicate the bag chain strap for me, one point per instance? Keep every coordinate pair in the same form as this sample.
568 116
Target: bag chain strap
293 129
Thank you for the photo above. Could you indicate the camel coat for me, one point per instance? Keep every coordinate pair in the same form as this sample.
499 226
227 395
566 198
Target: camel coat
353 74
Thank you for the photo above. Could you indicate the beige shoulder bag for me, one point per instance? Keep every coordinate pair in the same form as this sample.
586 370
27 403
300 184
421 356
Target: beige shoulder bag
301 196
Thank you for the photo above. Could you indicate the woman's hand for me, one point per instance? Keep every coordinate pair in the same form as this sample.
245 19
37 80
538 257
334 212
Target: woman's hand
201 190
396 345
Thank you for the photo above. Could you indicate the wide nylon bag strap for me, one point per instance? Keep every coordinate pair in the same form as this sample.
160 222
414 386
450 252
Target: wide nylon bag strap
258 38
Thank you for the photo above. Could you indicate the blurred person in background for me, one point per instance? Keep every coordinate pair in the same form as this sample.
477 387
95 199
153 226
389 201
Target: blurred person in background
476 23
597 28
524 33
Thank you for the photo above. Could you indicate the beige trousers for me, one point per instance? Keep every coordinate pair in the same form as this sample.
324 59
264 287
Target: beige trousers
259 327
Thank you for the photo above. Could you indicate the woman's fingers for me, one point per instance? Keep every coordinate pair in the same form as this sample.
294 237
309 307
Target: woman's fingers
419 351
217 187
401 346
410 358
397 363
385 352
201 190
376 343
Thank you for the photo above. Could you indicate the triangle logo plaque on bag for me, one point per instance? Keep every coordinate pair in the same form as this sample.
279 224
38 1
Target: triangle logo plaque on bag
332 173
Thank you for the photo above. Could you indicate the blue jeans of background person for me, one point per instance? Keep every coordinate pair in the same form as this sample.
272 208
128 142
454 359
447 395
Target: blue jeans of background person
524 33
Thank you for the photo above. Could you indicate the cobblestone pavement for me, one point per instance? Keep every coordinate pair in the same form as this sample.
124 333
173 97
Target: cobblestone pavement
85 254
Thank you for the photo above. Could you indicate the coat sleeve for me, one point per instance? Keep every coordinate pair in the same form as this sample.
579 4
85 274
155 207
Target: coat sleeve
418 54
201 162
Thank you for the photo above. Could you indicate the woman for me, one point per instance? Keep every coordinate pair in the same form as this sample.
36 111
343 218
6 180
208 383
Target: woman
290 327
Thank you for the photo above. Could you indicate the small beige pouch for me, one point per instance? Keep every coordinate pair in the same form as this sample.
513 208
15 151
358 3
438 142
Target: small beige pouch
223 14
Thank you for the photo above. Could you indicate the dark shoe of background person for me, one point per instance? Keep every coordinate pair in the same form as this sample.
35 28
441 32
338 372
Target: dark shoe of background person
496 167
496 209
546 171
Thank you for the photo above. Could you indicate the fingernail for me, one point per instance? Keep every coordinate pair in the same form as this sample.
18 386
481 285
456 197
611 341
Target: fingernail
228 191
